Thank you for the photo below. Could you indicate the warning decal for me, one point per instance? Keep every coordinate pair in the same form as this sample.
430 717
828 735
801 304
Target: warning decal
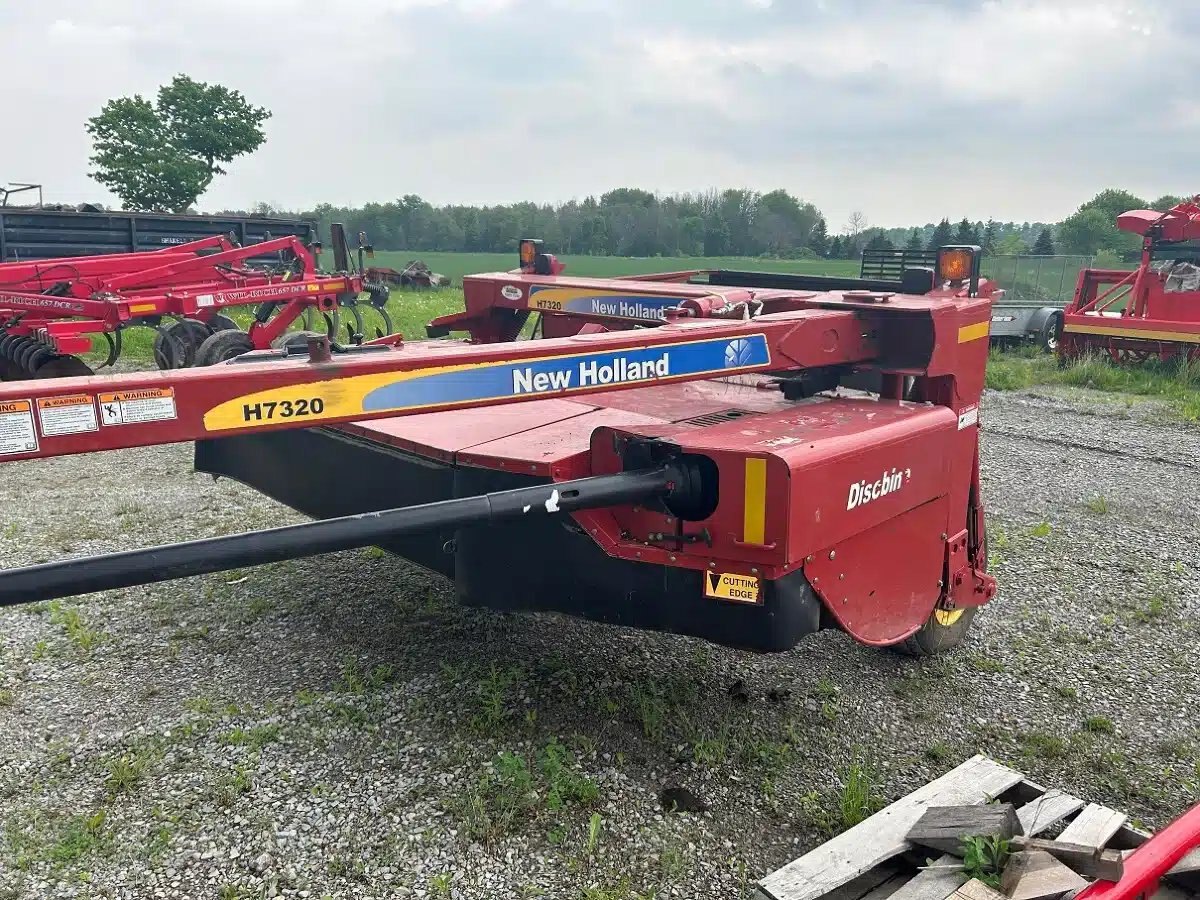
66 415
727 586
136 407
17 434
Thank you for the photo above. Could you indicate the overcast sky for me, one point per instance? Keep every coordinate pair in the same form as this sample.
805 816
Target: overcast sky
908 111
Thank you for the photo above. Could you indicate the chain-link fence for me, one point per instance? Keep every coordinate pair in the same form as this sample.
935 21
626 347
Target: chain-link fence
1036 280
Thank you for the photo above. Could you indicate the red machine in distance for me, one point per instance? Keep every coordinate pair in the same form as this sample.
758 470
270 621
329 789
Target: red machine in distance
721 473
49 309
1152 312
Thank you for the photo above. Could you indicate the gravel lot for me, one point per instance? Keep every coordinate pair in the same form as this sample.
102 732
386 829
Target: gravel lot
338 726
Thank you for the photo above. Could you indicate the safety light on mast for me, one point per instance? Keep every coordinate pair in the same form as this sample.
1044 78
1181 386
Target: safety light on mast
959 265
528 253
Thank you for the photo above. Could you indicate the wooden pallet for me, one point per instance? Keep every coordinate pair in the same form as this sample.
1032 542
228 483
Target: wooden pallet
873 861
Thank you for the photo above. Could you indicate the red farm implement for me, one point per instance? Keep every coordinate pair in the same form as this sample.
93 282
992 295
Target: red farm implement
1152 312
739 456
51 308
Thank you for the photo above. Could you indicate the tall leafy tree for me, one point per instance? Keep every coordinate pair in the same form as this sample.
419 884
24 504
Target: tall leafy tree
1093 227
162 156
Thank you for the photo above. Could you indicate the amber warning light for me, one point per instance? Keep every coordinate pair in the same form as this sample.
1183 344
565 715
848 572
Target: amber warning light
529 251
955 265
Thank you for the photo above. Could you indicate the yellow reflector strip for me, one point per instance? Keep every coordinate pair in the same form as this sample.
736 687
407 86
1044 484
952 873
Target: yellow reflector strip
754 519
136 308
974 332
1185 337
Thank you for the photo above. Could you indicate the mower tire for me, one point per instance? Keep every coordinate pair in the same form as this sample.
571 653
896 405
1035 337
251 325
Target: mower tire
943 630
223 345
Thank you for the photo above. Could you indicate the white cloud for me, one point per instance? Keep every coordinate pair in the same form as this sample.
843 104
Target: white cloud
909 111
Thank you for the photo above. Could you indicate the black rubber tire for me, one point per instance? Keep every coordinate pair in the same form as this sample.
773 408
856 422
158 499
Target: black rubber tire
175 346
63 367
1050 334
219 322
935 637
221 346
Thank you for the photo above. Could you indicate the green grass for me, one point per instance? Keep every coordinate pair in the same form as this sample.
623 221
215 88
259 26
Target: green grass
1177 384
456 265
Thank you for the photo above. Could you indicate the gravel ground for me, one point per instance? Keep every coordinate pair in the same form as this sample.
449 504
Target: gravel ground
339 727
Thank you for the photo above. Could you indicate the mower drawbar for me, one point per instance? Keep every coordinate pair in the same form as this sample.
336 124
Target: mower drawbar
68 578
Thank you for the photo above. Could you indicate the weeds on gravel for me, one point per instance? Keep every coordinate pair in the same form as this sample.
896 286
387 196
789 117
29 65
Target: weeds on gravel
855 801
256 738
1040 530
1043 745
6 697
354 681
70 620
595 825
563 784
985 664
494 696
440 885
1098 725
1097 505
124 774
1151 609
500 801
650 709
858 799
74 839
938 752
232 786
512 793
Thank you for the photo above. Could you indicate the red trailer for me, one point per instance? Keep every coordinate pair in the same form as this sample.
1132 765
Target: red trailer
1152 312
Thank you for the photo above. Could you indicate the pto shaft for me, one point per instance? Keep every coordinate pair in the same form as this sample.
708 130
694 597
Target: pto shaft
68 578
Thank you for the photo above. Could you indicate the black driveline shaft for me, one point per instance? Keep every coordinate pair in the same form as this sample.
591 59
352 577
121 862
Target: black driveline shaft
153 564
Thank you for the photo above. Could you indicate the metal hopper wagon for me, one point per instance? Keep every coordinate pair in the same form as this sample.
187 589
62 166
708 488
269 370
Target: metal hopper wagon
739 456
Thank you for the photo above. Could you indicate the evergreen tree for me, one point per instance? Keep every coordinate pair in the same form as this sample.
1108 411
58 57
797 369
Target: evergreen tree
879 241
966 233
942 235
818 238
1044 245
835 247
914 240
990 236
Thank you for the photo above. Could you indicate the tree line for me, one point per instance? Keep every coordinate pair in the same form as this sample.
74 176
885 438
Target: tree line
734 222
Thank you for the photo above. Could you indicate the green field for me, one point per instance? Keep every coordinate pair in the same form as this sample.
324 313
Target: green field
456 265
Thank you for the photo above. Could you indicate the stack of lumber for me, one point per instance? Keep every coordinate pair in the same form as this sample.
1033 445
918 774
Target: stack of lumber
912 850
